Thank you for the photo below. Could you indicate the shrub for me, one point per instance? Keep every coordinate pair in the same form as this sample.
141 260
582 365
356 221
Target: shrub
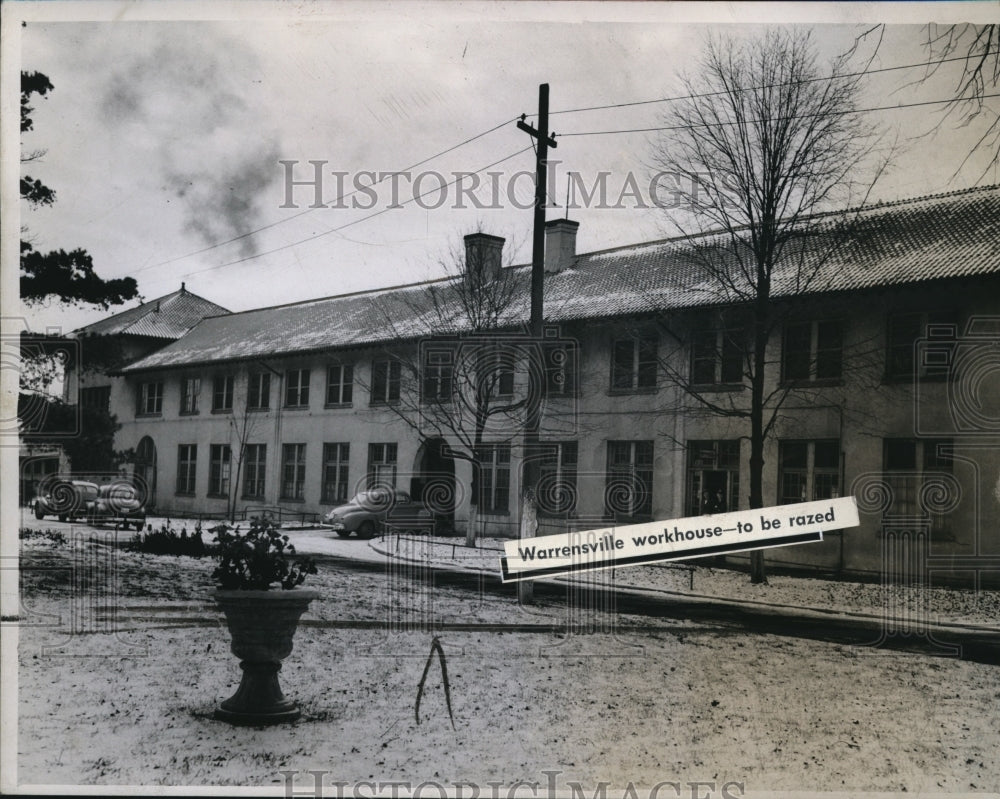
258 558
167 541
55 536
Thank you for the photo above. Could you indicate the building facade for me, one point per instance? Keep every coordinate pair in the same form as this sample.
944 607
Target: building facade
879 379
104 346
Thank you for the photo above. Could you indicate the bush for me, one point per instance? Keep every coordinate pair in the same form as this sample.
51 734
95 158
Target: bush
55 536
167 541
258 558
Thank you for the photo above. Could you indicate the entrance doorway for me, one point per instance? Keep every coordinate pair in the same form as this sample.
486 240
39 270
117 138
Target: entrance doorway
433 482
713 477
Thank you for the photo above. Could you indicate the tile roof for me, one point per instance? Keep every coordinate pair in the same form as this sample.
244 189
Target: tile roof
942 236
168 317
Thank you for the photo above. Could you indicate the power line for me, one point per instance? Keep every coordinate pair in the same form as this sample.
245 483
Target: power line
755 88
775 119
480 135
357 221
336 202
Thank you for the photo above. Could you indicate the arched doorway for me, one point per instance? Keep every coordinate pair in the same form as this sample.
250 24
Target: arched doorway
433 482
145 470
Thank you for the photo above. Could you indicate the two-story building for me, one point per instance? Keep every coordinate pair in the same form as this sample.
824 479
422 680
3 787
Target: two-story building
881 378
92 354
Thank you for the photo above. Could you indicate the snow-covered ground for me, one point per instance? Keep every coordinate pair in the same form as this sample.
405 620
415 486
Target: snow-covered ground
936 605
123 659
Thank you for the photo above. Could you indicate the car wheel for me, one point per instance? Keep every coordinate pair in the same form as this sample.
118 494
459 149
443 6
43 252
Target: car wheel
62 517
366 530
343 533
39 512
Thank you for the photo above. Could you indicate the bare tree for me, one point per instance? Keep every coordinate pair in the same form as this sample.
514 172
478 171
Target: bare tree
242 425
766 142
458 352
978 48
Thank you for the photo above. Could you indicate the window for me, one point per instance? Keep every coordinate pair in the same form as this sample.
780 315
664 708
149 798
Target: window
438 374
495 371
909 466
494 478
633 363
190 388
293 471
938 328
339 384
254 469
222 394
717 353
219 462
557 479
382 465
713 476
335 461
98 398
808 470
812 350
385 382
187 460
150 399
560 370
297 388
259 391
628 491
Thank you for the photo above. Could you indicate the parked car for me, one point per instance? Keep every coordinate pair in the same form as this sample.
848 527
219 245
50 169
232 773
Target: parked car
117 502
378 509
65 499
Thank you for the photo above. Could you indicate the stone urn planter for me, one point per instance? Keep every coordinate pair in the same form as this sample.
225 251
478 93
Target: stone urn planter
258 590
262 624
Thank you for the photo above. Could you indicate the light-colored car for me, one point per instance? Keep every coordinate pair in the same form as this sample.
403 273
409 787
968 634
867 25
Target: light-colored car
378 510
118 502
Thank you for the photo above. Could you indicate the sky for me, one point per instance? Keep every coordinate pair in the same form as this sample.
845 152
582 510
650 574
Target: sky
166 130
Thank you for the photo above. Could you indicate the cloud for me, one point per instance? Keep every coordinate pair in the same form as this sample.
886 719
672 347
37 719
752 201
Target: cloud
185 95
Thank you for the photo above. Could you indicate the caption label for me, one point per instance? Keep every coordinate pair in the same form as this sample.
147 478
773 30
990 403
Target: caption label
676 539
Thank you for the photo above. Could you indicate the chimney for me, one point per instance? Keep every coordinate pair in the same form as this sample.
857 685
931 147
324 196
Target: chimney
483 257
560 245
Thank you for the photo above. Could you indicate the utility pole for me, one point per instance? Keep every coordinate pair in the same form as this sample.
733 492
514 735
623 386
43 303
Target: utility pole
538 235
530 466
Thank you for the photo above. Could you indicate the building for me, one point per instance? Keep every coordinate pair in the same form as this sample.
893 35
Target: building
99 349
879 364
